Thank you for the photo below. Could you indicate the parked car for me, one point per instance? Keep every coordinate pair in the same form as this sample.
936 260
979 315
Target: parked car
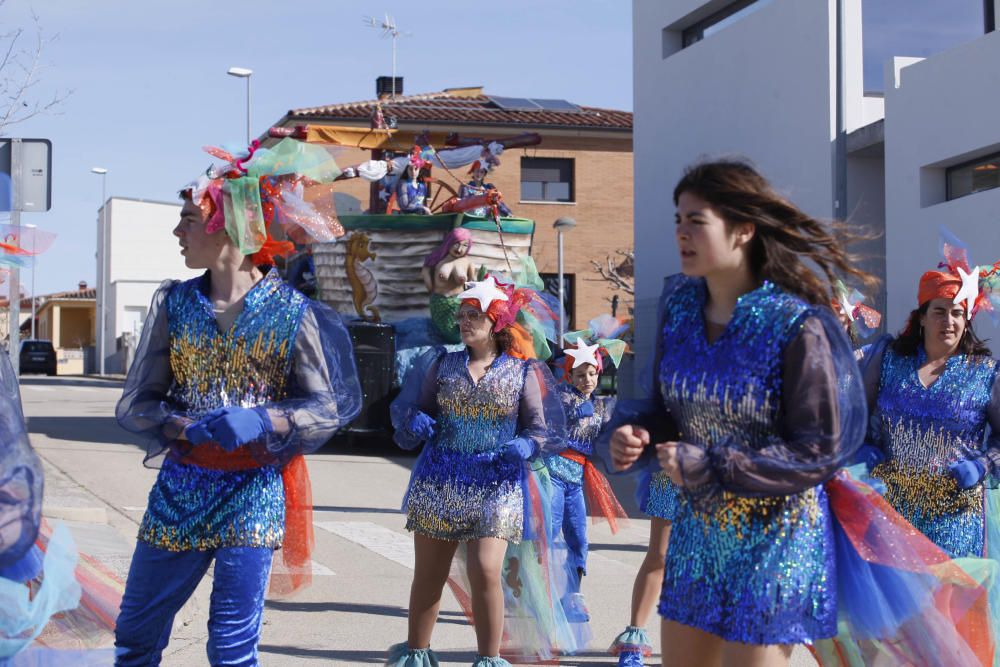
38 356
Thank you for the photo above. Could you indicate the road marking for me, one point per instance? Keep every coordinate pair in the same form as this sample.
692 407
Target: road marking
131 508
386 543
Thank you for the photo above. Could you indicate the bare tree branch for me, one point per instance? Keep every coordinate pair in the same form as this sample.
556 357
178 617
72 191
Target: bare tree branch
20 72
619 272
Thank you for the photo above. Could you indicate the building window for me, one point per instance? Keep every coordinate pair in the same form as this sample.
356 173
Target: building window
724 17
547 179
975 176
551 282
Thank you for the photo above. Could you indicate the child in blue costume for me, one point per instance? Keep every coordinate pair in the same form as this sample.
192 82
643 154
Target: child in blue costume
749 356
573 474
934 394
485 413
236 376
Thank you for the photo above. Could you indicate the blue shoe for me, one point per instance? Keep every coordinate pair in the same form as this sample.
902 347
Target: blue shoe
630 659
490 661
401 655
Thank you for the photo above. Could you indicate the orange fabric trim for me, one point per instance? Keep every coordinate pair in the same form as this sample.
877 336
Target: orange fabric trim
601 500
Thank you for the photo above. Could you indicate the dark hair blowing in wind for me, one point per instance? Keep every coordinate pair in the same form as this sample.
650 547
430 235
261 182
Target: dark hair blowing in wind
784 235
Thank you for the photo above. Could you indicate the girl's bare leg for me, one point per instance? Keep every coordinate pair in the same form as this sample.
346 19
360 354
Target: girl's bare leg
484 566
430 573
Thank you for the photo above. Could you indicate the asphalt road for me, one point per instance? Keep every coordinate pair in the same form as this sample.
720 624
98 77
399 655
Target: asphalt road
356 607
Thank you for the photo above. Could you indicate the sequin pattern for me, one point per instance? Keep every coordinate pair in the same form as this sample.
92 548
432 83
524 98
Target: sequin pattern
191 507
923 430
581 433
758 570
462 489
661 498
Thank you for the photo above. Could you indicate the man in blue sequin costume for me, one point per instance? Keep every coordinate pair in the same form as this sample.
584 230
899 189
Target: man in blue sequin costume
236 376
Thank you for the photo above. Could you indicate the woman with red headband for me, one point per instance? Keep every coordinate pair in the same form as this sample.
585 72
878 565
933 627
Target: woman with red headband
485 414
934 395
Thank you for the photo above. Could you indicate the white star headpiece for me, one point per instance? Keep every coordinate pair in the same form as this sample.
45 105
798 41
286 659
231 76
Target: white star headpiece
484 291
583 354
969 290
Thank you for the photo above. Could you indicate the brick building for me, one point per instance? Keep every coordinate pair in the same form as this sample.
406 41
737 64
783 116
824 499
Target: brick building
582 169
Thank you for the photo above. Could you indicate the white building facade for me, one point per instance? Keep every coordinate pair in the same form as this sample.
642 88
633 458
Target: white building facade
135 253
781 82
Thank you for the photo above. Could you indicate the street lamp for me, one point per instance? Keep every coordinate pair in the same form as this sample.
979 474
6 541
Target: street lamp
243 73
102 256
562 225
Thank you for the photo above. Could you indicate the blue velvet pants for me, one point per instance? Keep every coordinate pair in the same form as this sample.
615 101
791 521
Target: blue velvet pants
160 582
569 512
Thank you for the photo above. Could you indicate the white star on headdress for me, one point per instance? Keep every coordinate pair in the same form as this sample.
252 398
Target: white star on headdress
847 306
484 291
584 354
969 290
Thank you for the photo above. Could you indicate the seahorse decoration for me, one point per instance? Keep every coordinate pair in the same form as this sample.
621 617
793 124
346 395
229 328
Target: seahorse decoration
364 286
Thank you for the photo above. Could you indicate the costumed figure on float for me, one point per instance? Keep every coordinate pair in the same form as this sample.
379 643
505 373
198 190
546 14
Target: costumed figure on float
236 376
486 415
445 272
411 189
478 187
573 474
770 545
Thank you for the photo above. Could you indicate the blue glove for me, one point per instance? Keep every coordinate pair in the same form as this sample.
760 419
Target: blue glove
967 473
421 425
518 449
585 409
235 426
870 455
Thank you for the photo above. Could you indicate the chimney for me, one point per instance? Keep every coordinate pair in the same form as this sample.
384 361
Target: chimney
384 87
82 285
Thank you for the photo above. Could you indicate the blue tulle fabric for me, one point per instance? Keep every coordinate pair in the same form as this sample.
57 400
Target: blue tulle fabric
631 640
20 475
284 351
23 612
401 655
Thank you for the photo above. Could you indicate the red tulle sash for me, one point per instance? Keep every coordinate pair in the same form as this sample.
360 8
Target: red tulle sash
601 500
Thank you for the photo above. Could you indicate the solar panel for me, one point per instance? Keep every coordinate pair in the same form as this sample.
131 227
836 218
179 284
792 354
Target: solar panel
514 103
556 105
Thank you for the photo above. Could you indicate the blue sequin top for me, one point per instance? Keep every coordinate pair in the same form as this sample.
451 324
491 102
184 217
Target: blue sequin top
282 351
581 432
462 487
924 429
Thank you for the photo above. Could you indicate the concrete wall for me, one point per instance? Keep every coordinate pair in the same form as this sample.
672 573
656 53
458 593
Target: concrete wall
141 252
939 112
761 87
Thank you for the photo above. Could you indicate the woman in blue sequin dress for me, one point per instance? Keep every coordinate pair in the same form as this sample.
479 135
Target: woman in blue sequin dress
934 394
237 375
483 415
755 376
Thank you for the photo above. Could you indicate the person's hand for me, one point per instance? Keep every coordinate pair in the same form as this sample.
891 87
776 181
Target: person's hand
627 443
421 425
870 455
666 454
517 450
197 432
967 473
237 426
585 409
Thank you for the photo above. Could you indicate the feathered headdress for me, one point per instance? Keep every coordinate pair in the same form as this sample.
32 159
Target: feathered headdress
976 287
590 345
864 320
249 192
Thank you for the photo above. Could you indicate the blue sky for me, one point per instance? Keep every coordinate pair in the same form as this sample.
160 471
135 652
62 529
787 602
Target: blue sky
150 87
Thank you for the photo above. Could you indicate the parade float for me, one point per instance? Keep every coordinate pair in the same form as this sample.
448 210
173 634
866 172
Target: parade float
432 223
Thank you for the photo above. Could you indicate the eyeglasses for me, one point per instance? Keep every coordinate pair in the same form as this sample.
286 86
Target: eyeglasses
473 316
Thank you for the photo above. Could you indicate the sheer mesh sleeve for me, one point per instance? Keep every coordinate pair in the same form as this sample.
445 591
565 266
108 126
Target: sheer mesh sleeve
324 393
541 416
418 394
991 458
144 407
20 474
821 423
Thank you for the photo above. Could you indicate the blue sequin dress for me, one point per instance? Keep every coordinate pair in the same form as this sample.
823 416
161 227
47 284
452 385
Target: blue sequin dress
751 556
283 351
581 432
922 430
462 489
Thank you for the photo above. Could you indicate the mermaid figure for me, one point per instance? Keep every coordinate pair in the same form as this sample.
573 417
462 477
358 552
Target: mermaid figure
445 272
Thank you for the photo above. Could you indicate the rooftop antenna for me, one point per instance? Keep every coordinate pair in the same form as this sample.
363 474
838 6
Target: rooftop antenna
389 29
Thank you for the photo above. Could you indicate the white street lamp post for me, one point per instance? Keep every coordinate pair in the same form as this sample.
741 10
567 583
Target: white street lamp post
102 256
562 225
243 73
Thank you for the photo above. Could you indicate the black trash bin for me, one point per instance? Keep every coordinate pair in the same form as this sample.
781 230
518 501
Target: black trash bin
375 356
